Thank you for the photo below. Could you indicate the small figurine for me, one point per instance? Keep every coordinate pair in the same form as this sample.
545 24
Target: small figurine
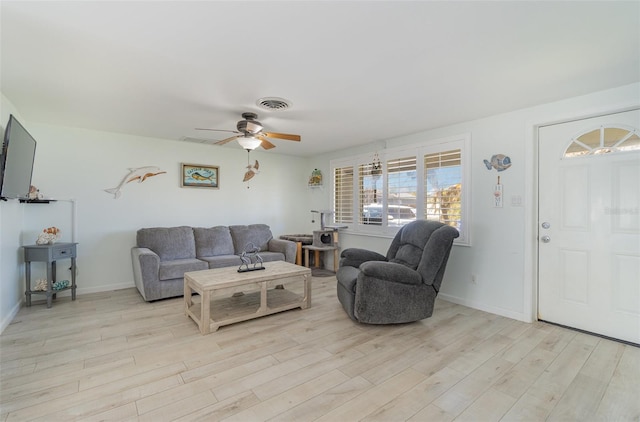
250 256
34 193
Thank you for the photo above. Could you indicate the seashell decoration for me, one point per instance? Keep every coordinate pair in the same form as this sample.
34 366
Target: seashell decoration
48 236
41 285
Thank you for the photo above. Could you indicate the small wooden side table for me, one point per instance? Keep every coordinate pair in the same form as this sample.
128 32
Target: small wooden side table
49 254
317 250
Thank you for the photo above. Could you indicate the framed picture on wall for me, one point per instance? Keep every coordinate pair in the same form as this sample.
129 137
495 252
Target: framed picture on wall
200 176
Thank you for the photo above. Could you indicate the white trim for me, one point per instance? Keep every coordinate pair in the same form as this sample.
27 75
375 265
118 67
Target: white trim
483 307
530 267
530 296
74 217
9 318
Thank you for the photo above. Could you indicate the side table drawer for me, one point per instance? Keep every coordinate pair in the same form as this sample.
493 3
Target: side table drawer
64 252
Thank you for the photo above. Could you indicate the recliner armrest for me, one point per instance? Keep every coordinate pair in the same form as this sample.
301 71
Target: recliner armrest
354 257
391 271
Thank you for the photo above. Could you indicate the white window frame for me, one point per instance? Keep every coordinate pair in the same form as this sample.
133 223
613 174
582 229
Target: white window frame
462 142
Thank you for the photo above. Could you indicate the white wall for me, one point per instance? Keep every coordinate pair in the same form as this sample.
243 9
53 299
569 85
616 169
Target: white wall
79 164
11 218
502 255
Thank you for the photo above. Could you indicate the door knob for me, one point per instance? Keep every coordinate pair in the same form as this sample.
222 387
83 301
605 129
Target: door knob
545 239
546 225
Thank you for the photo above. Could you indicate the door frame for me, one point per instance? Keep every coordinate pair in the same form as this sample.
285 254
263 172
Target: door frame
530 308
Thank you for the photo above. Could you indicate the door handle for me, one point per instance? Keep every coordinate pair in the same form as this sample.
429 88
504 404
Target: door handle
545 239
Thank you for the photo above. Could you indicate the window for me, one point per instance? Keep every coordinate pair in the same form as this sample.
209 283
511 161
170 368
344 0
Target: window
402 191
603 140
443 176
369 186
426 181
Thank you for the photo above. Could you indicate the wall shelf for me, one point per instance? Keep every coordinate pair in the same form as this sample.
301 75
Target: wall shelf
36 201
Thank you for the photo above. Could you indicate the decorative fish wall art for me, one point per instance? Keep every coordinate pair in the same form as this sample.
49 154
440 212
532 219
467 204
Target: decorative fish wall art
499 162
140 174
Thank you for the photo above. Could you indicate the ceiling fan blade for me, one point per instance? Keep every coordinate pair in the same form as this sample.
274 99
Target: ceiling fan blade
224 141
286 136
265 143
218 130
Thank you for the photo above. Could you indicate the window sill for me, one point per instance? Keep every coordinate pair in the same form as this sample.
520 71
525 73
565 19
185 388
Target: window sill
389 235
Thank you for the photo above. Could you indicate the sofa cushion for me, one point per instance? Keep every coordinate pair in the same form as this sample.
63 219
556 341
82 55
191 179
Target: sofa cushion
271 256
258 234
176 269
219 261
168 242
213 241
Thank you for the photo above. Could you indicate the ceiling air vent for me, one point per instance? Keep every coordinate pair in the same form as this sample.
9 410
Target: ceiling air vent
273 103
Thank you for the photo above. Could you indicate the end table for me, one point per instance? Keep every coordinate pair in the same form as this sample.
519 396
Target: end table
49 254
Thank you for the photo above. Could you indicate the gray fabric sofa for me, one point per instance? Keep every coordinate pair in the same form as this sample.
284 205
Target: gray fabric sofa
401 286
163 254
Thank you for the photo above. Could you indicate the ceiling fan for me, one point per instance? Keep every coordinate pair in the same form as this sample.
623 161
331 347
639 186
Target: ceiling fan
250 135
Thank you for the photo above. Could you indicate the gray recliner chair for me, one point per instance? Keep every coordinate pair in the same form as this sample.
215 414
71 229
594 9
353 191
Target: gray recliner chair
402 286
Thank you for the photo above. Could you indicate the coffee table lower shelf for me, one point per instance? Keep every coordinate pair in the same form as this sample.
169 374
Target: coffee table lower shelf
227 297
225 311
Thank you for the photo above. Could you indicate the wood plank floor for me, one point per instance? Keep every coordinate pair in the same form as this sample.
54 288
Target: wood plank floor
111 356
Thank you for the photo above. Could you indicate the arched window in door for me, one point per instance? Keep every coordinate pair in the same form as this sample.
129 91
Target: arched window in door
603 140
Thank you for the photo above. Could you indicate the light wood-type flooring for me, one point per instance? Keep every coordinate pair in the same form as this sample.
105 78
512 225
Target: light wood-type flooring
111 356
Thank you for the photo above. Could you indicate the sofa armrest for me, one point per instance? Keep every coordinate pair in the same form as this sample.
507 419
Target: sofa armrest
286 247
391 272
354 257
146 265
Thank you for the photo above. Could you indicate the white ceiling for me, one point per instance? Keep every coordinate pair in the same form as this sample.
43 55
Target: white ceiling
356 72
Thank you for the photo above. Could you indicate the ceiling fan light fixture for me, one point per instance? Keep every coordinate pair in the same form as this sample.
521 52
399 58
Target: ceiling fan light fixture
249 142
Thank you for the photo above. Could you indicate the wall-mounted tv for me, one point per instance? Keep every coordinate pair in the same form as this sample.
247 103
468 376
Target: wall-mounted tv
16 161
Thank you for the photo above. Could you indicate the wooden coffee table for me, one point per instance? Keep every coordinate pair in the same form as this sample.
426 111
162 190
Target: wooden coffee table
227 296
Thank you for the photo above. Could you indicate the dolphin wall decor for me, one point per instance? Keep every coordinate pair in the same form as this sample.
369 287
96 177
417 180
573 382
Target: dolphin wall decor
140 174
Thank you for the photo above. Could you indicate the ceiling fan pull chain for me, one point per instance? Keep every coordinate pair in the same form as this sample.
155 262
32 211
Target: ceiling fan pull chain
248 165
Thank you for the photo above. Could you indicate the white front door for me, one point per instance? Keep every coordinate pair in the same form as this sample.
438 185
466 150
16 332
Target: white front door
589 225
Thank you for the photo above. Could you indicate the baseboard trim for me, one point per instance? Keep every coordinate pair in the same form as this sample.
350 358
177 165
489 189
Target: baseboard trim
9 318
100 289
482 307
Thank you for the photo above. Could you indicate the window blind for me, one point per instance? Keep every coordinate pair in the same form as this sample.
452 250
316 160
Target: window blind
343 194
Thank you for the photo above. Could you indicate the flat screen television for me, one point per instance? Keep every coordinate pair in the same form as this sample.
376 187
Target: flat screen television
16 161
